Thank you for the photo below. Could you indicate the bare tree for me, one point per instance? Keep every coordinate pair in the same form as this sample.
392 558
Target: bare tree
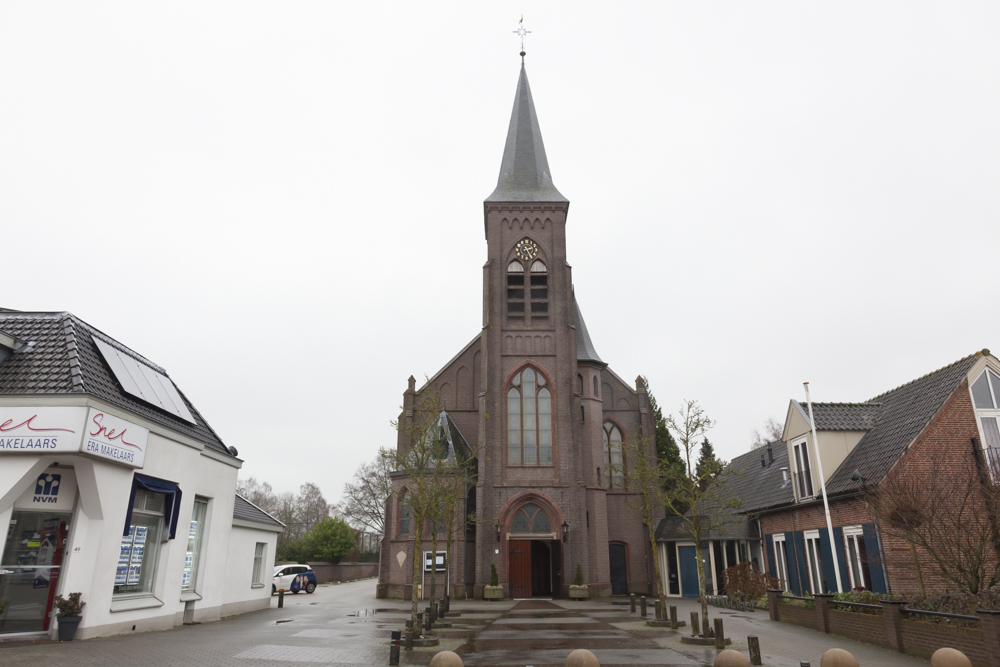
950 517
770 431
259 493
364 499
416 460
710 509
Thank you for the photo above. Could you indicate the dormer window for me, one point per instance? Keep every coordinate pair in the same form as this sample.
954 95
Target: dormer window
986 399
803 469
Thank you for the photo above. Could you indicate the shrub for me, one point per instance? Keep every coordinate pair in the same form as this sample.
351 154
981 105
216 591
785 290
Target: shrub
71 606
494 578
578 577
745 582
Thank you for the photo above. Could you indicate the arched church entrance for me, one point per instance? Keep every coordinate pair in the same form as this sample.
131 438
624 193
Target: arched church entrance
535 554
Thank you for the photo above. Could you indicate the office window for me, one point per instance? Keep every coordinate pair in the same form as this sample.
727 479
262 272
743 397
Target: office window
140 548
196 532
258 563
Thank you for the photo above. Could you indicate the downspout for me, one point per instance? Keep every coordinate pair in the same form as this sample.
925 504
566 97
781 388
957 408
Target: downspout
826 503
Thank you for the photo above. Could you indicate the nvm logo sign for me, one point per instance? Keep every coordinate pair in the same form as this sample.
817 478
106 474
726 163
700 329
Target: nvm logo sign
47 488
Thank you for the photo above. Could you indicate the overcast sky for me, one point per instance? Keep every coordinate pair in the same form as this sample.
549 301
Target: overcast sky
281 203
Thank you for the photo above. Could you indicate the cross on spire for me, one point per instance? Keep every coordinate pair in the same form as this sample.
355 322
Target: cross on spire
521 32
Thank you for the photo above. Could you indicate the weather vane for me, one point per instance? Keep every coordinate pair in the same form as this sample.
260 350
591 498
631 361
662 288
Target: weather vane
521 32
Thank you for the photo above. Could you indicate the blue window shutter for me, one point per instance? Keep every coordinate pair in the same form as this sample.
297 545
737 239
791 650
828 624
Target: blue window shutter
800 556
828 572
769 540
171 506
793 569
878 583
838 541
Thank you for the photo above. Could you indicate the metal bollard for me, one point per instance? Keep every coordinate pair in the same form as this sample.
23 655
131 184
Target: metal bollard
427 620
658 611
753 645
631 603
281 598
394 648
642 605
673 617
720 637
409 635
694 624
418 629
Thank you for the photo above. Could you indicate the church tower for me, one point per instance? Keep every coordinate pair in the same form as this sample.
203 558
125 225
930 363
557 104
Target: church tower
550 412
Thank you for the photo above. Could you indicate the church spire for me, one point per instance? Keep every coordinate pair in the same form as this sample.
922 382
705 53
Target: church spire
524 172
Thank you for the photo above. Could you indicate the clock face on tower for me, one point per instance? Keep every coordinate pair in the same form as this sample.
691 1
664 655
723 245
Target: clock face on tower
526 249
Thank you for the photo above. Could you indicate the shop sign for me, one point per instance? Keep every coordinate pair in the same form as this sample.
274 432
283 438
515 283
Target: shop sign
112 438
53 491
41 430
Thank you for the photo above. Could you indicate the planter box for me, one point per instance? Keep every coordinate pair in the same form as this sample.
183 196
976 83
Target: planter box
493 592
578 593
67 627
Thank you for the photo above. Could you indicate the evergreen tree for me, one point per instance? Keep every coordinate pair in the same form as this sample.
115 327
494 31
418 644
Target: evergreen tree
708 466
668 453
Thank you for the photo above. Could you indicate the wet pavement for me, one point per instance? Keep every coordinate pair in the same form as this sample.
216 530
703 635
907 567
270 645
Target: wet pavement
344 625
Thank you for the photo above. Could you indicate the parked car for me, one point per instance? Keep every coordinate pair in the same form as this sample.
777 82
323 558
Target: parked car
293 578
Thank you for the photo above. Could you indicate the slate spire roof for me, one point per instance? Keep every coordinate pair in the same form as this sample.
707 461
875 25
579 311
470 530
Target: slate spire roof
584 346
524 172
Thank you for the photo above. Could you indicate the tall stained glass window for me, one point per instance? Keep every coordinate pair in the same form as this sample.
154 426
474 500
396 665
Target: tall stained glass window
529 420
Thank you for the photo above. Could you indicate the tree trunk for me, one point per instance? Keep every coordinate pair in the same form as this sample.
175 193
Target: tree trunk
916 565
414 608
656 562
701 585
434 565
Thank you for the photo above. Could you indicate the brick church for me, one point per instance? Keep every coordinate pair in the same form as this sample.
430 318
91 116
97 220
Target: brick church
544 412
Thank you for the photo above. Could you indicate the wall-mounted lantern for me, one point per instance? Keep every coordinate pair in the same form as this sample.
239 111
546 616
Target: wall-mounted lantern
565 527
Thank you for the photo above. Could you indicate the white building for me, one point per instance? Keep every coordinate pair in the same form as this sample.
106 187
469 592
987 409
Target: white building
114 485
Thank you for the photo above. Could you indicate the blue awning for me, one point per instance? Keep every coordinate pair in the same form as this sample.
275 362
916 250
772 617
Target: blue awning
171 506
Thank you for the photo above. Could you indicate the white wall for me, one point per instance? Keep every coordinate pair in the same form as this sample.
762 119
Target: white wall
240 595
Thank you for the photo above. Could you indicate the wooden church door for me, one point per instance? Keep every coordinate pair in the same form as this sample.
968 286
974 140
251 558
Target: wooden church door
520 568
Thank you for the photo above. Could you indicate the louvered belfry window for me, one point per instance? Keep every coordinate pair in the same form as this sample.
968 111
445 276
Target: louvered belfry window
529 420
539 293
515 293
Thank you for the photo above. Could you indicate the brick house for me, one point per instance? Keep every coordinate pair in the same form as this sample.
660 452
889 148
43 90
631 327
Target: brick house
937 427
543 411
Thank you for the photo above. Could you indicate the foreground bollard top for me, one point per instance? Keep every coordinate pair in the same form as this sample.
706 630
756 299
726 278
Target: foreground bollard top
731 658
949 657
581 657
838 657
446 659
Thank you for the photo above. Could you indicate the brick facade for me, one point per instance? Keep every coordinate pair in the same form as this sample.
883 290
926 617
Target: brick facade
943 451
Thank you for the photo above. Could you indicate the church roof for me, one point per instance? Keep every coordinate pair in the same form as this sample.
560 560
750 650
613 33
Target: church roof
584 346
524 172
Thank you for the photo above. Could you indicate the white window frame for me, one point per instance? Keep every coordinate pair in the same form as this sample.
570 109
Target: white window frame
854 534
260 554
802 443
781 559
986 412
814 546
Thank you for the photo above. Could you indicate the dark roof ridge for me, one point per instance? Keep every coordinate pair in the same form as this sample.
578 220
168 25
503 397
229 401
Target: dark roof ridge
982 352
843 403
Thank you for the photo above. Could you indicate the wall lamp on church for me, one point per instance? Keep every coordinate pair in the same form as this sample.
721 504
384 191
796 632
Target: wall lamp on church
498 533
565 527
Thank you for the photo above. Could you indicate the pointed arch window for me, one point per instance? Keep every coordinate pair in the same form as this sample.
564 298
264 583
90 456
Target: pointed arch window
515 293
531 520
614 461
529 420
539 293
404 514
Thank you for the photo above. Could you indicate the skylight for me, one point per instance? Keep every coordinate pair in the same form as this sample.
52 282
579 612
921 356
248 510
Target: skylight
144 383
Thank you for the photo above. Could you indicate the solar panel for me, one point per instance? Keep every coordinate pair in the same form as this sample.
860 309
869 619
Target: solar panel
143 382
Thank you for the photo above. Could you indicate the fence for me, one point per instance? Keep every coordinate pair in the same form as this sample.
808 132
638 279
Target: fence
730 603
899 627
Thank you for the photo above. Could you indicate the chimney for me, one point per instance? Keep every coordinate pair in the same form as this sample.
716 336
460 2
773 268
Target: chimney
770 454
763 461
784 474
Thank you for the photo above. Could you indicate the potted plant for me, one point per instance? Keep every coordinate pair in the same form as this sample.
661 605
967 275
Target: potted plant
577 590
68 612
494 591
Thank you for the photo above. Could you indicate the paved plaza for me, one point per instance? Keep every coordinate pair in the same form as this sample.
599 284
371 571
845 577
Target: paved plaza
345 625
